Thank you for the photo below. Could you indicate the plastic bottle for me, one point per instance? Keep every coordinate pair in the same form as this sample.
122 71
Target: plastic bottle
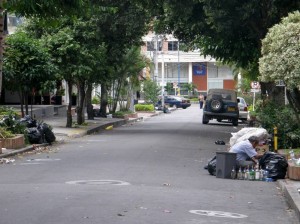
244 173
247 175
261 173
233 173
252 174
240 174
257 174
265 175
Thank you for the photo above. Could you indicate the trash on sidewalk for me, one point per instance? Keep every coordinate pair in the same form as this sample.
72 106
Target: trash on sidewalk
275 164
6 161
211 166
109 127
37 132
219 142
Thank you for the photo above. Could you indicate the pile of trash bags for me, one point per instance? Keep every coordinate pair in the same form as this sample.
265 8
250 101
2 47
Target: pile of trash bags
37 132
212 166
246 133
275 164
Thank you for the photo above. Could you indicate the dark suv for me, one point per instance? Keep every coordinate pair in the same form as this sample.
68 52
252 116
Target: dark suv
221 104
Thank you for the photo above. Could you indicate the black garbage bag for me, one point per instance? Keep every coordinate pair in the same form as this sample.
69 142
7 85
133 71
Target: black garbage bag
34 136
212 166
48 134
28 121
275 164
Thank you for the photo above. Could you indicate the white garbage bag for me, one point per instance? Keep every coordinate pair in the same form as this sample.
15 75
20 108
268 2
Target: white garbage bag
245 133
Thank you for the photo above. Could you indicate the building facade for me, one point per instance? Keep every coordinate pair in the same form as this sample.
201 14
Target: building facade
177 67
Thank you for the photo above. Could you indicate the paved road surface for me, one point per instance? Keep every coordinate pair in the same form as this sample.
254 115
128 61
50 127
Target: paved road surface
148 172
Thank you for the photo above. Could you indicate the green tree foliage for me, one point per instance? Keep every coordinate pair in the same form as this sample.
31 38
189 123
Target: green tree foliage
45 8
281 52
42 8
27 66
280 57
151 91
79 55
128 82
230 31
270 115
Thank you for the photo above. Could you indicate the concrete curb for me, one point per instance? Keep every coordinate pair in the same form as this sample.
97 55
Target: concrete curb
292 196
98 128
22 150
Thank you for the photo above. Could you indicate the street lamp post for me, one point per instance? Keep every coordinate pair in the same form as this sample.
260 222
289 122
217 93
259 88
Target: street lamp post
178 87
156 59
162 81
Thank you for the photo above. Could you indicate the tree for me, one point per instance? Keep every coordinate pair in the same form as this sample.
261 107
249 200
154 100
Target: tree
151 91
27 67
121 27
43 8
128 81
230 31
280 57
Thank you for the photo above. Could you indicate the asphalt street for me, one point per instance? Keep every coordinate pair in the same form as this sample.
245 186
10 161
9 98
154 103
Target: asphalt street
145 172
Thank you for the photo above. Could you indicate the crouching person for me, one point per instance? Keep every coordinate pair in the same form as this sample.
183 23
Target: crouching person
246 154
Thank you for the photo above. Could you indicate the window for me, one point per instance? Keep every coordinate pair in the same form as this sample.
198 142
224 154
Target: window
215 84
172 45
151 45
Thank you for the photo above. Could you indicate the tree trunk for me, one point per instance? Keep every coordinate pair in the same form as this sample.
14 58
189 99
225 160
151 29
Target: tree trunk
69 110
116 98
272 92
89 106
21 96
80 106
104 100
26 102
293 97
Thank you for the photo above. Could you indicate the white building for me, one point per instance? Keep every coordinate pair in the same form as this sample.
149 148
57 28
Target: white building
184 67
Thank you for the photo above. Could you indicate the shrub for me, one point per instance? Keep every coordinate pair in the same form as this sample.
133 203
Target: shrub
5 133
144 107
151 91
122 112
9 121
271 115
95 100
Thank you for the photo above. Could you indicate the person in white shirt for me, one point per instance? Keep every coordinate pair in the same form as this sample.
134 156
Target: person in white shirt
246 152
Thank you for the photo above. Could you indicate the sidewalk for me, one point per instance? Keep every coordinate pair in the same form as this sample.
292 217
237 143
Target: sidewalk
290 188
63 134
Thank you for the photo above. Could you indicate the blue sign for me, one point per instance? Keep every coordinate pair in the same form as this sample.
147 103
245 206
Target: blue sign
199 69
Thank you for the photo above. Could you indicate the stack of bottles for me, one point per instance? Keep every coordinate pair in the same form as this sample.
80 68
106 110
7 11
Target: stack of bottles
250 173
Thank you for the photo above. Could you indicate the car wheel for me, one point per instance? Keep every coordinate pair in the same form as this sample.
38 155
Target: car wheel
171 105
177 106
219 120
216 105
235 122
183 107
205 119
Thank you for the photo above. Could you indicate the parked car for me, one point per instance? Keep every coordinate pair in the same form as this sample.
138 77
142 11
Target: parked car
221 104
243 109
177 101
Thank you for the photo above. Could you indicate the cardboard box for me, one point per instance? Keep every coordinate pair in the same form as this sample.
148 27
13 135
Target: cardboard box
261 149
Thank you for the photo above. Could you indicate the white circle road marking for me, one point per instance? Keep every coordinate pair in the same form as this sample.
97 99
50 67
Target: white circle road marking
219 214
42 160
23 164
99 182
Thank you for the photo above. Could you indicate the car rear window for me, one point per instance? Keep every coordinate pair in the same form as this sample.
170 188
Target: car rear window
226 95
